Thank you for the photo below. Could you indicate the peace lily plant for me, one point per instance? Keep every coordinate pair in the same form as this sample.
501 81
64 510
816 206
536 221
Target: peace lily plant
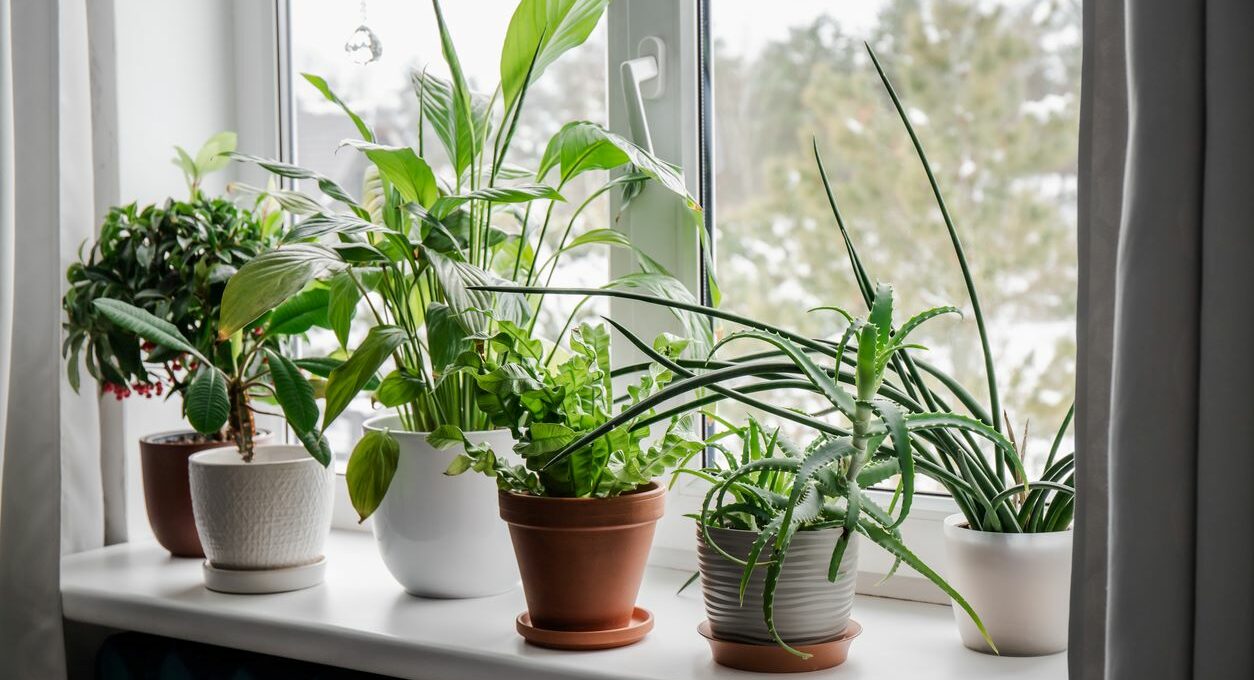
411 248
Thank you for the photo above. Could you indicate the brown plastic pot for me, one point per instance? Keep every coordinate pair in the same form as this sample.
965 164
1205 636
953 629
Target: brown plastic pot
582 559
167 495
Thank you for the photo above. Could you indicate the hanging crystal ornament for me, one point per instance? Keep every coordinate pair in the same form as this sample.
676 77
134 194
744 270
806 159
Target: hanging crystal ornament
363 45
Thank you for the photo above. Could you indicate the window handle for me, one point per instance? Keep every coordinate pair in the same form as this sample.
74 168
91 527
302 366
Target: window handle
643 79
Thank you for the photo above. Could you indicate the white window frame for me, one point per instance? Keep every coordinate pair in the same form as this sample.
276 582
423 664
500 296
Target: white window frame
654 222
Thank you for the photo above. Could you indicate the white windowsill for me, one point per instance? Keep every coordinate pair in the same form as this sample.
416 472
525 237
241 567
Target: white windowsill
361 619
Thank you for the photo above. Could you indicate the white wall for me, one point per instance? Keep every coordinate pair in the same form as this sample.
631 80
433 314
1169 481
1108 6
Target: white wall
177 69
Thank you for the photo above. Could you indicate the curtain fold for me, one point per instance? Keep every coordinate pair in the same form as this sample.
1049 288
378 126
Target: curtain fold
1164 548
59 490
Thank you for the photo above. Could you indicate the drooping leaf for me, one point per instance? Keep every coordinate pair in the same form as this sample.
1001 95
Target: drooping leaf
321 224
293 392
344 297
206 403
517 194
371 467
475 309
145 325
400 387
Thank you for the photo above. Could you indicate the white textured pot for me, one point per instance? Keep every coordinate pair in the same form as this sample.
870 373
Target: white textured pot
809 609
271 514
442 536
1019 584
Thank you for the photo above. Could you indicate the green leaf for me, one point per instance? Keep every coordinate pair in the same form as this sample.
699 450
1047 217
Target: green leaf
399 165
371 467
322 224
543 30
300 312
322 367
466 139
895 423
582 146
145 325
352 376
207 404
399 387
271 278
212 155
882 315
820 377
475 309
342 306
446 337
326 184
518 194
293 202
918 319
446 436
317 446
325 89
293 392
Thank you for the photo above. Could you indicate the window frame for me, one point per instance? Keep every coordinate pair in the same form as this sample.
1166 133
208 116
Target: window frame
682 124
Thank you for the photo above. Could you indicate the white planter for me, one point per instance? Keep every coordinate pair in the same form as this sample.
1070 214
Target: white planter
1019 584
256 519
442 536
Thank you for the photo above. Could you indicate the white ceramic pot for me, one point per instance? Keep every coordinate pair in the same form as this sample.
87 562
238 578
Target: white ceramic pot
1019 584
441 536
272 514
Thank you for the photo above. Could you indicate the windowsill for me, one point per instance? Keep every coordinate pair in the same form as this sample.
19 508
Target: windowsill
361 619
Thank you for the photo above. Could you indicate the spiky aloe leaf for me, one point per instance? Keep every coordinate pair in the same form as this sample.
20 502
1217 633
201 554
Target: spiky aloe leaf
841 399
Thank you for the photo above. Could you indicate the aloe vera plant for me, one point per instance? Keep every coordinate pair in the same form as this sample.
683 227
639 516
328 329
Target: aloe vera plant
874 428
414 245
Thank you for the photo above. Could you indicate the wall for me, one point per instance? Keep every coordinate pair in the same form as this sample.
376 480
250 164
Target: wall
178 67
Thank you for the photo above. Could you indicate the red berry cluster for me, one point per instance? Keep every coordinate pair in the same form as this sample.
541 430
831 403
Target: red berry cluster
146 390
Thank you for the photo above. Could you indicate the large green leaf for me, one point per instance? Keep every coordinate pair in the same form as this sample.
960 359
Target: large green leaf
399 165
322 367
321 224
519 194
370 470
293 392
325 89
300 312
399 387
475 309
207 404
353 375
582 146
145 325
466 138
212 155
446 336
543 30
271 278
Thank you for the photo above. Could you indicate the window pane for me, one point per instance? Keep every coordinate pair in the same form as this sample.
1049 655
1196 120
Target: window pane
993 89
571 89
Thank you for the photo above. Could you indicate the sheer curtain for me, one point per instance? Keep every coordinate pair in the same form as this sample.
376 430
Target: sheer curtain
1164 551
54 470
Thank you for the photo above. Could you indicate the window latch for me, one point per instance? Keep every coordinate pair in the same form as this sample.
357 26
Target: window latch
643 78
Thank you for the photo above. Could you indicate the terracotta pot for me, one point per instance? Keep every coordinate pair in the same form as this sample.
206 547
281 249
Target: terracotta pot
582 559
163 457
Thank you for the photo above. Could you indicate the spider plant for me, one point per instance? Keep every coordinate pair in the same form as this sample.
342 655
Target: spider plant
874 426
414 245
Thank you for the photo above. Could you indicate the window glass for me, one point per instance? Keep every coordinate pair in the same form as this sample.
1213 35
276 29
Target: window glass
571 89
992 87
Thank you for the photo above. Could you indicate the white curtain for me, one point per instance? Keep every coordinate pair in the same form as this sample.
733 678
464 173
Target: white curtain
60 491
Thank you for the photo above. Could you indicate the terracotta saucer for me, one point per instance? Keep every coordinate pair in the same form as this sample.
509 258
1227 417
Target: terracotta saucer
776 659
641 624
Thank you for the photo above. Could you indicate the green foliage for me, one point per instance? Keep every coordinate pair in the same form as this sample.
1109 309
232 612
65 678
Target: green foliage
370 471
547 408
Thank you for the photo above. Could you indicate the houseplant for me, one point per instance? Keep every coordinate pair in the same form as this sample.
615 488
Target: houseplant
824 487
172 260
410 248
581 529
1009 547
262 511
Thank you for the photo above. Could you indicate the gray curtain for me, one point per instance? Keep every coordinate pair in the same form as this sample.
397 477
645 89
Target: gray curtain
1163 579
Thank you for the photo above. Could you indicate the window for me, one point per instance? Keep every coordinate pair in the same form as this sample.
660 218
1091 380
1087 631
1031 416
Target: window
993 88
380 91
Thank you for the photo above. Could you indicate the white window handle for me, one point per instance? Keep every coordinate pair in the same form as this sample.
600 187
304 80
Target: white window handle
643 79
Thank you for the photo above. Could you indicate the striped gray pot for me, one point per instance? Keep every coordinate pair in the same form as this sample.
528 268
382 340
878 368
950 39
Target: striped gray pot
808 608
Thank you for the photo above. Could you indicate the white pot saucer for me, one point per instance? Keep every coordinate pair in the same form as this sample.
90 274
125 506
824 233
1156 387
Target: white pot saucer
257 581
